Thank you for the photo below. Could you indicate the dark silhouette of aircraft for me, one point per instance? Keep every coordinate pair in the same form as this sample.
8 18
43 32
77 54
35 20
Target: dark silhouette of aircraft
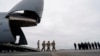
25 14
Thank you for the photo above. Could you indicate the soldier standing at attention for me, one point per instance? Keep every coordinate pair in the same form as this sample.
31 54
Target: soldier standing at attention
92 45
53 46
48 46
75 46
38 45
43 46
95 45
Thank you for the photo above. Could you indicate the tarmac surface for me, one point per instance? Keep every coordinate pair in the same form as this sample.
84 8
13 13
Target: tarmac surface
56 53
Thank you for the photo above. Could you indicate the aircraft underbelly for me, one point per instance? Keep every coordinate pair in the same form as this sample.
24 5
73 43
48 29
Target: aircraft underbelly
5 33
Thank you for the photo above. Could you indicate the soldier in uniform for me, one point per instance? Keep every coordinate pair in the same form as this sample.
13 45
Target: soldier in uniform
95 45
92 45
89 45
38 44
48 46
53 46
75 46
43 46
98 45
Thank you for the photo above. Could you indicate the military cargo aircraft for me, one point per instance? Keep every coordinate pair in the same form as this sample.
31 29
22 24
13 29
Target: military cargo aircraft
25 14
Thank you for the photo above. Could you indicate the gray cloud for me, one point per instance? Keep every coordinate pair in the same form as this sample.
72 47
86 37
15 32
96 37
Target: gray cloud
69 21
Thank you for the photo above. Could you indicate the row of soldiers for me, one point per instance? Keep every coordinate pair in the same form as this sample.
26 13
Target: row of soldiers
47 45
87 46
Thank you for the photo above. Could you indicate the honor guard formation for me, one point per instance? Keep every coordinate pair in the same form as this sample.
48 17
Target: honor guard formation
87 46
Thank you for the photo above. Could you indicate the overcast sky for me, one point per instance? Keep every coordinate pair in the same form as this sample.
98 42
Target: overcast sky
65 21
